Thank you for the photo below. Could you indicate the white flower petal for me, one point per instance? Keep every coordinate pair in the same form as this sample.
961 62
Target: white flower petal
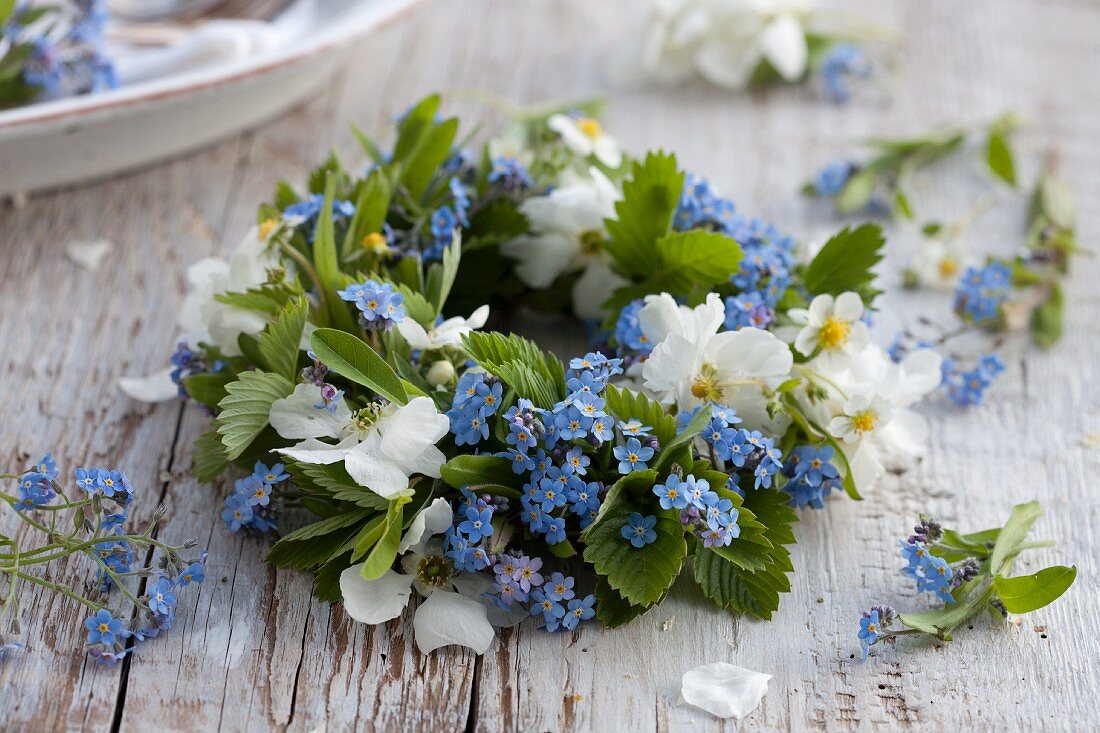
446 618
750 353
783 43
593 287
541 258
297 416
383 477
848 306
431 520
414 333
156 387
89 255
724 690
374 601
316 451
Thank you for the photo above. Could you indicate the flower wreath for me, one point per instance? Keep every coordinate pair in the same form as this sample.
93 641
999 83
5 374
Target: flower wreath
731 380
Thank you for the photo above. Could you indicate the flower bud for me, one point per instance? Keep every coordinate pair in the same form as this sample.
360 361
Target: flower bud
441 373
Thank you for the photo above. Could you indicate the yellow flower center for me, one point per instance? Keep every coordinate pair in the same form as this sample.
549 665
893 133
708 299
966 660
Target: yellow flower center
375 242
433 570
707 386
589 127
267 227
103 627
864 421
872 628
834 333
948 268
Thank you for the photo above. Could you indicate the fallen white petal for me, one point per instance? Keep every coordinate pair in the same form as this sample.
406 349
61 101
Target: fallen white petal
446 618
156 387
724 690
89 255
374 601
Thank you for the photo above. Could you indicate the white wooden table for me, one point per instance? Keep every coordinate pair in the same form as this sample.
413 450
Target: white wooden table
253 651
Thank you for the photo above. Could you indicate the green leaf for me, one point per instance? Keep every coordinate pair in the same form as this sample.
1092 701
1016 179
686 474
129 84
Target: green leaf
1013 534
208 460
1028 593
246 407
626 404
208 388
694 258
430 152
845 262
901 204
350 357
612 609
640 574
998 156
326 582
418 307
370 210
265 299
442 277
314 543
684 437
532 373
280 342
326 263
1046 319
941 622
384 552
644 213
465 470
857 192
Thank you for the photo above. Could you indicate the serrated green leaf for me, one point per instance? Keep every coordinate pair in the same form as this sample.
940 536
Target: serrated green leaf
208 461
281 340
845 262
626 404
208 388
644 213
246 408
1027 593
313 543
612 609
694 258
640 574
532 373
352 358
265 299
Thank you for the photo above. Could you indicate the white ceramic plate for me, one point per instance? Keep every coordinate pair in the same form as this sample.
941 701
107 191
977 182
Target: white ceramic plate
68 140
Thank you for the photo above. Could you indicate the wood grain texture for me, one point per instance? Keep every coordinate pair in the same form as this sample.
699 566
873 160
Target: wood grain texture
253 651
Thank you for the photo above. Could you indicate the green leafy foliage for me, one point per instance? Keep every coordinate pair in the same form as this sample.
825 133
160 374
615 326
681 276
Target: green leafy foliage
280 341
326 262
532 373
484 471
208 460
644 214
384 551
999 158
626 404
612 609
315 543
350 357
1028 593
845 262
208 388
246 406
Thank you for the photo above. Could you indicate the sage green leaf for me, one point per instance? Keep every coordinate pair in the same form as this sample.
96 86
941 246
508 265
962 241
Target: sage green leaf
845 262
281 340
384 552
684 437
942 622
350 357
640 574
465 470
1027 593
998 156
1013 534
246 407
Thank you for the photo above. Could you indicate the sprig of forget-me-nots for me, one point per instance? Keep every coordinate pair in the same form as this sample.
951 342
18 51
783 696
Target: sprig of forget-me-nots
92 524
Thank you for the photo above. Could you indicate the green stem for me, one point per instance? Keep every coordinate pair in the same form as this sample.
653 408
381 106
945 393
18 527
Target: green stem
60 589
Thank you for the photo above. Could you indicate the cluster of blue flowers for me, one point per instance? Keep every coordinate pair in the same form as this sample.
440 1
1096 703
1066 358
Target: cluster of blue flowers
36 486
109 485
466 541
746 451
981 292
309 209
811 475
477 398
510 174
966 387
186 362
380 306
630 340
831 180
843 63
445 219
64 52
932 573
519 580
873 624
712 518
249 506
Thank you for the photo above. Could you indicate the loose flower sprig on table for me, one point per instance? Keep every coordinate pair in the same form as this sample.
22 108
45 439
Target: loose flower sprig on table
753 43
879 185
53 49
339 354
1005 295
969 573
92 525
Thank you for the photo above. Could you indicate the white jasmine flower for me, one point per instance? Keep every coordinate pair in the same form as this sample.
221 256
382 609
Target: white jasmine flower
585 137
567 228
724 690
692 363
725 40
832 329
446 616
381 447
219 323
447 333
